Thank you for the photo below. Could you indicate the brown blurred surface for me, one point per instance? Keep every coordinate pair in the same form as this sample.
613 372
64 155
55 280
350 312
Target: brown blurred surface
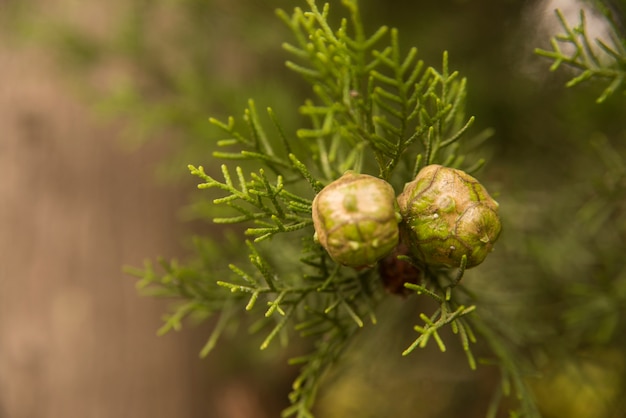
75 338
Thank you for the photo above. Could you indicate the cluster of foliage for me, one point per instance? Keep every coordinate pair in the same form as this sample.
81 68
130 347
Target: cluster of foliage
597 224
594 58
375 110
551 298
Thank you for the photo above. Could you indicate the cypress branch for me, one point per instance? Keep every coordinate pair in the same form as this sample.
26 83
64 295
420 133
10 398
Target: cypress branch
372 108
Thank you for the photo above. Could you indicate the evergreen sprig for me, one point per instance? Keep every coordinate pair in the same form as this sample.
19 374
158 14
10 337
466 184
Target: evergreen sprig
370 99
599 59
448 313
194 286
373 109
323 302
277 210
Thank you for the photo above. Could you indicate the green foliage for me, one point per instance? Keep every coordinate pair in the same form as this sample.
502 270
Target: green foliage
194 285
371 100
591 225
374 109
597 59
584 255
448 313
550 298
278 210
594 312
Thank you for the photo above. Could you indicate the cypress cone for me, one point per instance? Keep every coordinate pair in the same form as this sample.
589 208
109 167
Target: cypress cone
356 219
448 214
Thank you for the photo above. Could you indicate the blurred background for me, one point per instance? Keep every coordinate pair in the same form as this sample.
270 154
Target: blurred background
103 105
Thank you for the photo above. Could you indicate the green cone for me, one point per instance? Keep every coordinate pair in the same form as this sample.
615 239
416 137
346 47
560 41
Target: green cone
356 219
448 214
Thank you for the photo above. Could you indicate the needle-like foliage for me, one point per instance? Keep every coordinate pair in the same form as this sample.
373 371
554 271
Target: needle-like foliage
375 109
599 59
